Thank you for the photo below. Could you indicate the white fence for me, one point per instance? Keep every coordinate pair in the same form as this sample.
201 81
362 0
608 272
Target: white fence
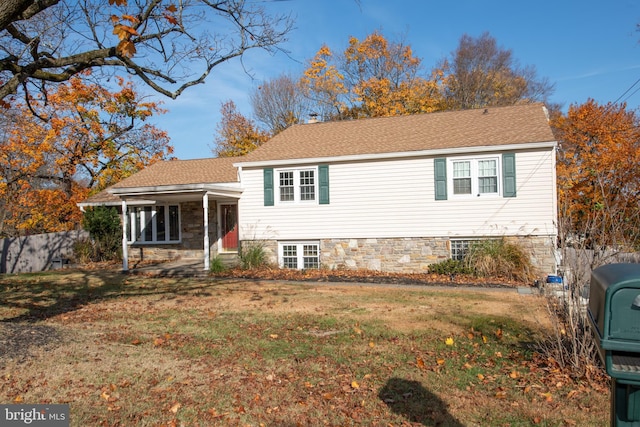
38 252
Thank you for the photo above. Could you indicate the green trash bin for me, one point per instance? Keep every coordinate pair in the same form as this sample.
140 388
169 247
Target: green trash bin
614 312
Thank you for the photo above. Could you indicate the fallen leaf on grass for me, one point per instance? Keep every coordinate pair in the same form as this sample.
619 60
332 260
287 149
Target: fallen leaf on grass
18 399
449 341
273 336
354 384
572 394
420 363
514 374
175 408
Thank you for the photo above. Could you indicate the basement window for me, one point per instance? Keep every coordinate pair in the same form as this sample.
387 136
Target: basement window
299 255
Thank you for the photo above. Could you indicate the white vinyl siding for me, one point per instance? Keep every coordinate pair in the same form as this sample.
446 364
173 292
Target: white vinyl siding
395 198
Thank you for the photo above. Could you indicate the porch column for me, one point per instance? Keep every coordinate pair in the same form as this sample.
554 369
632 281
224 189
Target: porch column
205 207
125 247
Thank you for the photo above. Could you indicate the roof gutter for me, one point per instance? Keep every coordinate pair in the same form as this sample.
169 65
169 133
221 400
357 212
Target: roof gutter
232 190
401 155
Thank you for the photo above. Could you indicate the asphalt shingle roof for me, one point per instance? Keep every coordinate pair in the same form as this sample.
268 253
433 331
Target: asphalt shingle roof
453 129
183 172
443 130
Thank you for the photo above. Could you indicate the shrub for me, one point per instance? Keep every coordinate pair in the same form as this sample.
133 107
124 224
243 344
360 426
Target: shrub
217 266
103 225
450 266
500 258
252 254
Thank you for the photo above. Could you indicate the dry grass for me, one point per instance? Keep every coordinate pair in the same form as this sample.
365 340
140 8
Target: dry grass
126 350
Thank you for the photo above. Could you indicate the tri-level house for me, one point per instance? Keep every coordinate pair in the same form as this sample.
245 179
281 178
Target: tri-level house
391 194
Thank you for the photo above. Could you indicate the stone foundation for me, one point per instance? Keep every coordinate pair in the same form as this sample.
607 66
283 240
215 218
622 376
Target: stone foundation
406 255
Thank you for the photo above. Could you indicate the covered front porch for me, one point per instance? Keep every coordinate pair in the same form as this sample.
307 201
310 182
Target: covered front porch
186 223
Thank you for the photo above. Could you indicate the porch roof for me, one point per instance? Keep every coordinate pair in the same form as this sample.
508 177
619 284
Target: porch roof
181 173
181 180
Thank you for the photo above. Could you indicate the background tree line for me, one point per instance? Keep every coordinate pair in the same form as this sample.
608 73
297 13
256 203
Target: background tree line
73 123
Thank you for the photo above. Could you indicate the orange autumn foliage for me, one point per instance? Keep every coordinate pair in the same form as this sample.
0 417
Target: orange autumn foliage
598 173
85 139
237 135
372 78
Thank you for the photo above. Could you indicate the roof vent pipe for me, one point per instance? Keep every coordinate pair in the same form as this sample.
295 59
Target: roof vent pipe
313 118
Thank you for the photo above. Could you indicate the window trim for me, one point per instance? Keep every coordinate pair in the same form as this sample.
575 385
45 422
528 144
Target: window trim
474 162
297 186
132 231
299 252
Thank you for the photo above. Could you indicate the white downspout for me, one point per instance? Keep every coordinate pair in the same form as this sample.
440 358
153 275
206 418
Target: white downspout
125 248
205 207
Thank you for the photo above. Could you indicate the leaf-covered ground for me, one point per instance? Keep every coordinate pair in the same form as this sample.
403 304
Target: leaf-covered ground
369 276
127 350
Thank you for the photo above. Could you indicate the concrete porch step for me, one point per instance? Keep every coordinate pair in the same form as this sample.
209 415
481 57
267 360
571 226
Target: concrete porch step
229 260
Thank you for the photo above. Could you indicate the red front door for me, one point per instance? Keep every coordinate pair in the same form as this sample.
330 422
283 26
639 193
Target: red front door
229 227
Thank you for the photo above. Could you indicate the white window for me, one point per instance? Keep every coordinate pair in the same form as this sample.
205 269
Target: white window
153 224
299 255
477 176
297 185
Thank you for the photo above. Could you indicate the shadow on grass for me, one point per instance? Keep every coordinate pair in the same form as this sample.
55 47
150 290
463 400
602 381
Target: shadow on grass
39 296
417 404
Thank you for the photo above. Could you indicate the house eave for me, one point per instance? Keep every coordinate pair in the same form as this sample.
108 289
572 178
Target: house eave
232 190
400 155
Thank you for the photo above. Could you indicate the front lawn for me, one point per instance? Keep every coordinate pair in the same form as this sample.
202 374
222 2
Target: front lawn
130 350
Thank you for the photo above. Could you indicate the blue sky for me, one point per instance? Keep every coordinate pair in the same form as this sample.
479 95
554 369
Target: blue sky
588 49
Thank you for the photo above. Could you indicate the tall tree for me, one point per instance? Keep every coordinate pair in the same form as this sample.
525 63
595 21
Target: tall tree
372 78
598 173
87 139
169 46
279 103
237 135
479 73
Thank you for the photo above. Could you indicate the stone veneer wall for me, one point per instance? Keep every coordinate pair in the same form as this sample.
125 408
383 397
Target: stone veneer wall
192 223
407 255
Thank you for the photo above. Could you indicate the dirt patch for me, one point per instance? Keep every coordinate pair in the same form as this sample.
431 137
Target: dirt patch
19 340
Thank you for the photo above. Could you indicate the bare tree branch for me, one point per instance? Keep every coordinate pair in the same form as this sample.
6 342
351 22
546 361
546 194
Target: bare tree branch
170 48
